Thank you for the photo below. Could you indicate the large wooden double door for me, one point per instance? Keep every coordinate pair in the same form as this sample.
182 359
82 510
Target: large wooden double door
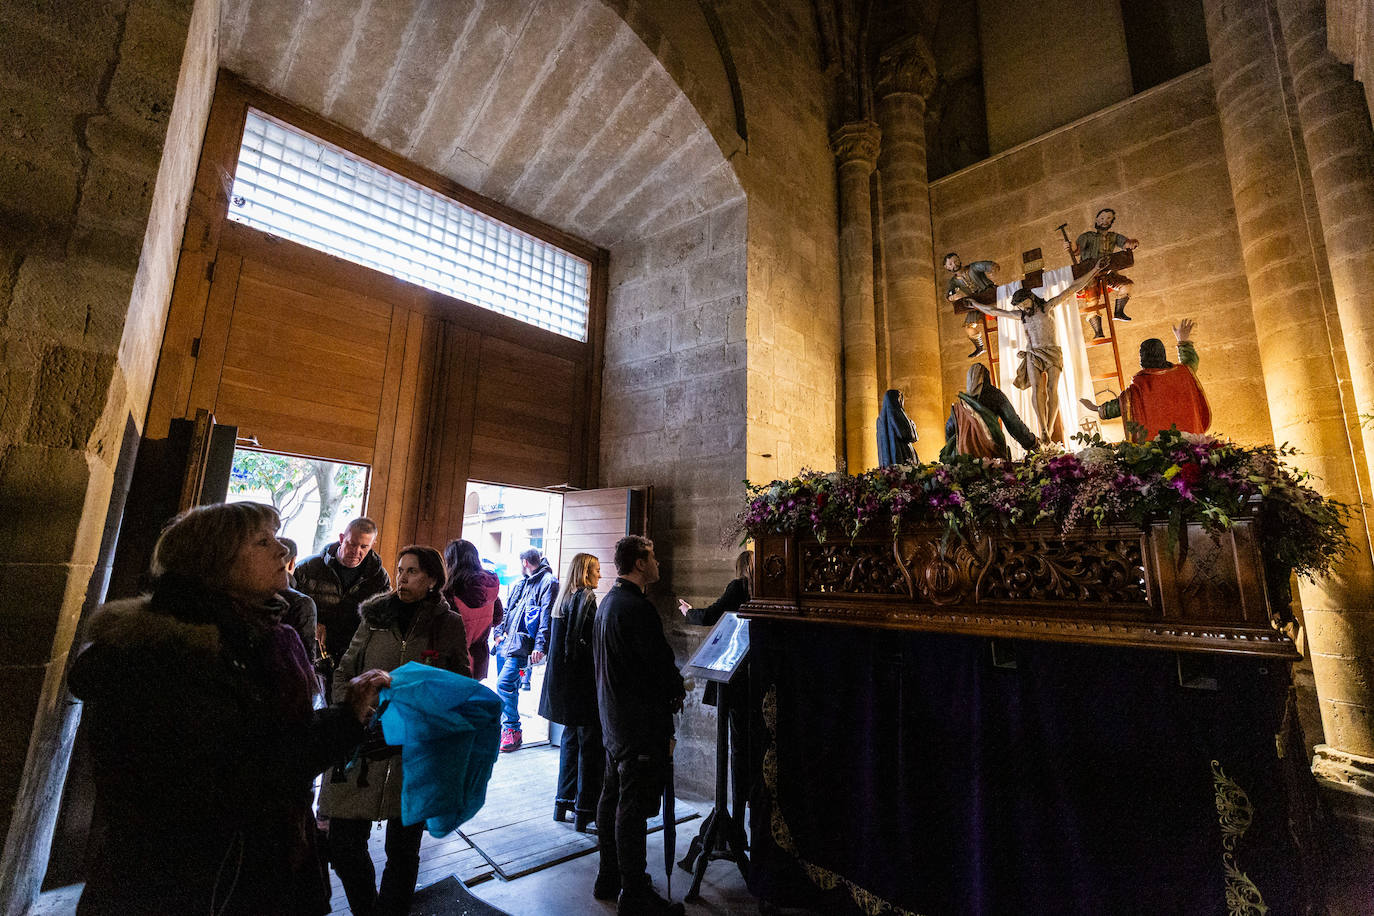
309 354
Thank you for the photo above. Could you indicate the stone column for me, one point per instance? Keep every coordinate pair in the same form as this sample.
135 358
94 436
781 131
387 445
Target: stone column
856 152
1267 164
906 76
1340 152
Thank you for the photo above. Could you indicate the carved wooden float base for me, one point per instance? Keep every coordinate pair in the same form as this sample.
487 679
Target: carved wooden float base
1116 586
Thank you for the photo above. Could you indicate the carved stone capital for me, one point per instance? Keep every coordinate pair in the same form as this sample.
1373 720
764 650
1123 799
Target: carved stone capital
857 141
907 67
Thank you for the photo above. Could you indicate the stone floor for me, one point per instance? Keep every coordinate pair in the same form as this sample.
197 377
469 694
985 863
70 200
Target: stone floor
561 890
566 889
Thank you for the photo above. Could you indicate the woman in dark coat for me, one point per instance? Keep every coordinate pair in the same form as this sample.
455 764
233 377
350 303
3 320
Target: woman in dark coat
473 593
569 696
199 711
411 624
736 594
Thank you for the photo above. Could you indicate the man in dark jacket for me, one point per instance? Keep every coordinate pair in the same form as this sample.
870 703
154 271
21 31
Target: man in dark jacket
339 579
638 688
523 638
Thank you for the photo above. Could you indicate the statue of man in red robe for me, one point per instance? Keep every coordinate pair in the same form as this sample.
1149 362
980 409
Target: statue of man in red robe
1162 395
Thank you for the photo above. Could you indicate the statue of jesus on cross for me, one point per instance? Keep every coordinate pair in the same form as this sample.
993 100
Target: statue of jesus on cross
1042 360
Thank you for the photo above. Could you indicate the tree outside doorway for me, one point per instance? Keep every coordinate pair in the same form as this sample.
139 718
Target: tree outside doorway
314 497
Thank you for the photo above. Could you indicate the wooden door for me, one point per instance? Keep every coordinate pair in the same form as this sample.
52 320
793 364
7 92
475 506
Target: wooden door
593 520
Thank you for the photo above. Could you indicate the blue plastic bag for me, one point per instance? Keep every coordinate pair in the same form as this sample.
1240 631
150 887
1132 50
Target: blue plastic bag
449 729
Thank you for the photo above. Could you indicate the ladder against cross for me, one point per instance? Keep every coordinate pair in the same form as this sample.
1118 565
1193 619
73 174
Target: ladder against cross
1032 263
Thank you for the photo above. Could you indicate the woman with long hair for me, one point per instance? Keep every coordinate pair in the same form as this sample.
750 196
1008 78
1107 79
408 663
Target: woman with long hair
569 696
473 592
200 714
413 623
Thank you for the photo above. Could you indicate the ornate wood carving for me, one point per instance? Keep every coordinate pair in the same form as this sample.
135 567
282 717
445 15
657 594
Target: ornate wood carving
869 569
1116 586
1105 571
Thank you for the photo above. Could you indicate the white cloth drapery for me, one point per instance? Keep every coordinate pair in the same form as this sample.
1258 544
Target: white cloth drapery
1075 382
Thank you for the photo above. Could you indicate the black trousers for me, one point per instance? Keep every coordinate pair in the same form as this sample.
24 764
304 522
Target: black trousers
353 863
632 794
581 769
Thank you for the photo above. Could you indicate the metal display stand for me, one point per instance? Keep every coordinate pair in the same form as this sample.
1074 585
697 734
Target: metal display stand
720 660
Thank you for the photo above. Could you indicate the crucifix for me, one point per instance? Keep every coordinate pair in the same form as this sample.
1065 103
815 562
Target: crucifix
1041 360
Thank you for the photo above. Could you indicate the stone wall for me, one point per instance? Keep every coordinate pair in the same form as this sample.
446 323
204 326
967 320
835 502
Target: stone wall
766 316
1047 63
1157 159
673 386
794 287
672 415
91 216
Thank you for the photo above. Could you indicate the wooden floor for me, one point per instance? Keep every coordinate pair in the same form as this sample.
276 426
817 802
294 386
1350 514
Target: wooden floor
515 830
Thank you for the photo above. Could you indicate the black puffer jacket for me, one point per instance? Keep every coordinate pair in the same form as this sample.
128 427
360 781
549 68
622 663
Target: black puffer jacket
300 616
204 745
336 607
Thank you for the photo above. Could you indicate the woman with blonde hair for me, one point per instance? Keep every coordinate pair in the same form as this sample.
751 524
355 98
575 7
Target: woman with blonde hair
199 711
569 696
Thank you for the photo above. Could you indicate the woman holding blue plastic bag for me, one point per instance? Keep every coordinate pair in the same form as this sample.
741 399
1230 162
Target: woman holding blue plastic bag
411 624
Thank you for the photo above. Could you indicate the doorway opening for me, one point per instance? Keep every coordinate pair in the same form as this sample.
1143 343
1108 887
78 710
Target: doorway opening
315 497
504 522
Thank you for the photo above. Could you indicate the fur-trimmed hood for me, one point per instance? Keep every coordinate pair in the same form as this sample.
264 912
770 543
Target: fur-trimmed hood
181 624
380 612
131 623
175 613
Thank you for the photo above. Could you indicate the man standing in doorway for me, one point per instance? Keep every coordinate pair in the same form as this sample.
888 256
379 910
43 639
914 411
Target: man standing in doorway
523 638
638 688
340 578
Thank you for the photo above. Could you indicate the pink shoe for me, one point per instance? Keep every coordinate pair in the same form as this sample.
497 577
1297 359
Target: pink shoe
510 739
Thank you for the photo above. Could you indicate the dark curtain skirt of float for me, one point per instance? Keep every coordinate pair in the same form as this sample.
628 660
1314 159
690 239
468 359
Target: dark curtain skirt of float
902 771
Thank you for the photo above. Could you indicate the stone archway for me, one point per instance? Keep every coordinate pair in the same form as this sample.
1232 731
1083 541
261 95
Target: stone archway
559 109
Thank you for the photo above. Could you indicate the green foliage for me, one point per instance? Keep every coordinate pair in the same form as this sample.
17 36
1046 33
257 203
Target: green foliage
1177 478
291 481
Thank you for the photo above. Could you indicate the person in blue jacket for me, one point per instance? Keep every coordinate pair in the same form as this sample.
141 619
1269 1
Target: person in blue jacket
523 638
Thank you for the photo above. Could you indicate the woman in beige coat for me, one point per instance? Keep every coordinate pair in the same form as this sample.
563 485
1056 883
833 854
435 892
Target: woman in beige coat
411 624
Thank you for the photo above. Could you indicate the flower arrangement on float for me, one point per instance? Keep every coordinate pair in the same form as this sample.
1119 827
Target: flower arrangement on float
1179 477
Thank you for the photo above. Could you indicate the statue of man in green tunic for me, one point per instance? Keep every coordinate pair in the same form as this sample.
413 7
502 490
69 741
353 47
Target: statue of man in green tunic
1100 242
964 281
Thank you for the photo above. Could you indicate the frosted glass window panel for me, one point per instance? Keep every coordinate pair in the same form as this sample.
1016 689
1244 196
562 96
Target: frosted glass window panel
297 187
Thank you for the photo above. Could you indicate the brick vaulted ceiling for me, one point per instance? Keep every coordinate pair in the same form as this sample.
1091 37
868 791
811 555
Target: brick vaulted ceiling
554 107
